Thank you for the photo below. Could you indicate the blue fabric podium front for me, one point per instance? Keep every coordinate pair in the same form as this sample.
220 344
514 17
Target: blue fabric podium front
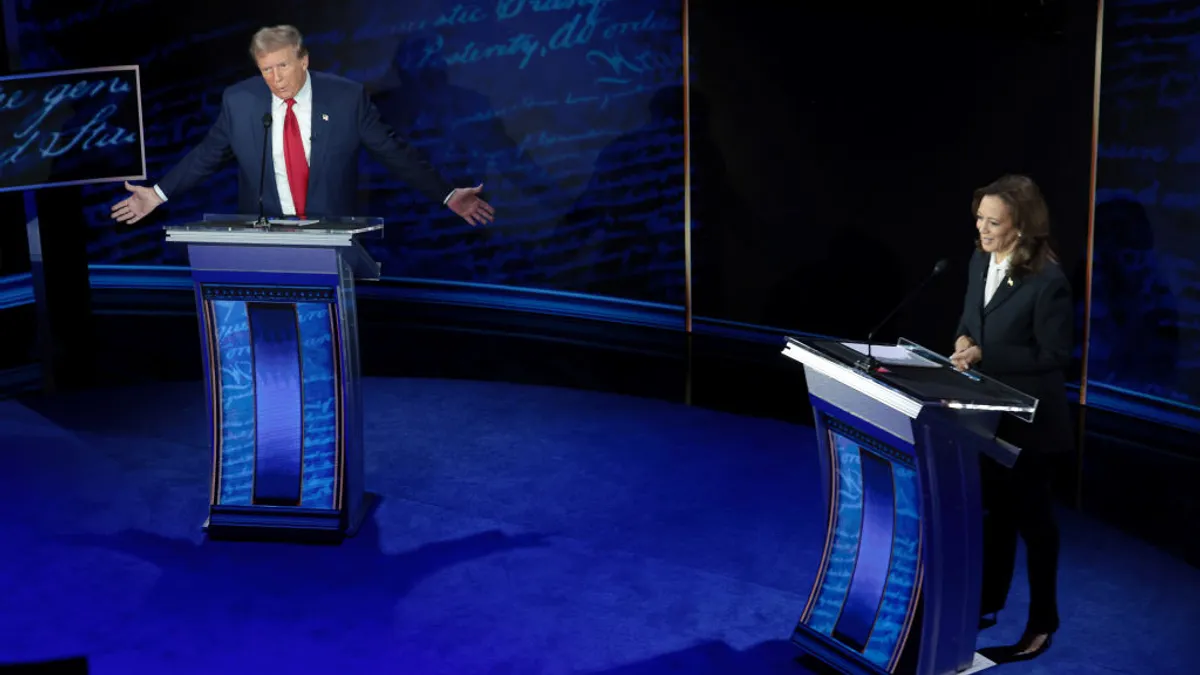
279 344
898 587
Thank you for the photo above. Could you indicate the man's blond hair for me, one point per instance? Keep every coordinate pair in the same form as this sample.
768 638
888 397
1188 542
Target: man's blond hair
273 38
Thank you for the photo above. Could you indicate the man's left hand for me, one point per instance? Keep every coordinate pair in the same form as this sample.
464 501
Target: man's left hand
466 203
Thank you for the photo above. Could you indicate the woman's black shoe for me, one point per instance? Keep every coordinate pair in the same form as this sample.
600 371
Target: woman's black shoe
1024 650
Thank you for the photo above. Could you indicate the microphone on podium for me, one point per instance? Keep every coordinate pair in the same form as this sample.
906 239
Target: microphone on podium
262 173
869 363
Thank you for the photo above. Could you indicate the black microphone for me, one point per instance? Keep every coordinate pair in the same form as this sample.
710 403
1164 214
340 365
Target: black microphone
262 175
869 364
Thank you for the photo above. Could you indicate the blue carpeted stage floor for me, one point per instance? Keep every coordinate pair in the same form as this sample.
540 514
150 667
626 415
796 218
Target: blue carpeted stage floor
520 530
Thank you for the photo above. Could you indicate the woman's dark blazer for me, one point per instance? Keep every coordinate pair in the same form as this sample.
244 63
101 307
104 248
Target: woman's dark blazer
1025 336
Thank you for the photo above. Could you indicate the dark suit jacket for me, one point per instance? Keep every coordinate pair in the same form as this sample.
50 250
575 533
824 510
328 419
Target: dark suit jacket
353 122
1025 337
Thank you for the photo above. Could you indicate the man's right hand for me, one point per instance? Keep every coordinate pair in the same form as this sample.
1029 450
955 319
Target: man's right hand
137 206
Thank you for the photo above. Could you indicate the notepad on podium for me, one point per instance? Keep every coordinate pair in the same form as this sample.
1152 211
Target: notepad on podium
892 355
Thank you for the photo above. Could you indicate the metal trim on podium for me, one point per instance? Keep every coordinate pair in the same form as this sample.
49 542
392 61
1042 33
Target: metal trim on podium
898 587
279 345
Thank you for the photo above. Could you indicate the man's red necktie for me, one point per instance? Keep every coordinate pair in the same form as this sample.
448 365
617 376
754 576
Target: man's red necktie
293 155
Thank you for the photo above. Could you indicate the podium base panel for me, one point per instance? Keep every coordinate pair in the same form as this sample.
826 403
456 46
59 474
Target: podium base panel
242 523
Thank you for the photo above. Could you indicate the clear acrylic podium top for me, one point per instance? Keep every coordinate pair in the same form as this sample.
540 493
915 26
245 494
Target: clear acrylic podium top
918 373
343 232
233 222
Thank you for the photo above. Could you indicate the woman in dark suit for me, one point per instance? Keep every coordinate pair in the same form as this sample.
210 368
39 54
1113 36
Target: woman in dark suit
1016 327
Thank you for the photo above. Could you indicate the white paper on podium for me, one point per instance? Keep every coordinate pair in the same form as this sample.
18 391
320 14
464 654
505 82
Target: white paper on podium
893 355
980 663
286 221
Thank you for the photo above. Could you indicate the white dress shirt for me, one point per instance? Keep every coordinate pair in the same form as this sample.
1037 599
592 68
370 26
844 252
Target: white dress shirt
304 115
996 274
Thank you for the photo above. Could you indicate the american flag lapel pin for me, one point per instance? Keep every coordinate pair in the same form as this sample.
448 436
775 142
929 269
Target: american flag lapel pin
324 118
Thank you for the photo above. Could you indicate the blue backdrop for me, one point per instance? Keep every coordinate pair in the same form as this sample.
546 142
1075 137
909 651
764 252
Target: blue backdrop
569 112
1145 318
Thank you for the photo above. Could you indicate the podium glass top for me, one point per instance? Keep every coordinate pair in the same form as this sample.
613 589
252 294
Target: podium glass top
221 222
923 375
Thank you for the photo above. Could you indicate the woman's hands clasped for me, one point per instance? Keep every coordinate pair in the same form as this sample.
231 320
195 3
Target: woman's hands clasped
966 353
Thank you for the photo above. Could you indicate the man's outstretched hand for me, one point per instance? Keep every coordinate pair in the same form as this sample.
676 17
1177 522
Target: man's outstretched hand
137 205
466 203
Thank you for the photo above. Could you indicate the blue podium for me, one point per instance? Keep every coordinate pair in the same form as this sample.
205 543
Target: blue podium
279 344
899 434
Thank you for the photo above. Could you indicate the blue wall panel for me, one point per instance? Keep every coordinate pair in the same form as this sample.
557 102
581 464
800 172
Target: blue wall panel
1144 346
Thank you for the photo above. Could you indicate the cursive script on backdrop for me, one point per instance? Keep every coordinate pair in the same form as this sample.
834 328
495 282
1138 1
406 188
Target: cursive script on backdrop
70 127
616 39
550 103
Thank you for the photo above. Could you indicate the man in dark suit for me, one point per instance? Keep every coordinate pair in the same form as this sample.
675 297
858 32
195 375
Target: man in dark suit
316 123
1016 327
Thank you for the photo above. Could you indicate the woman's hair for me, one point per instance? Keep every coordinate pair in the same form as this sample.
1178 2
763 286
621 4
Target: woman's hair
1030 217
